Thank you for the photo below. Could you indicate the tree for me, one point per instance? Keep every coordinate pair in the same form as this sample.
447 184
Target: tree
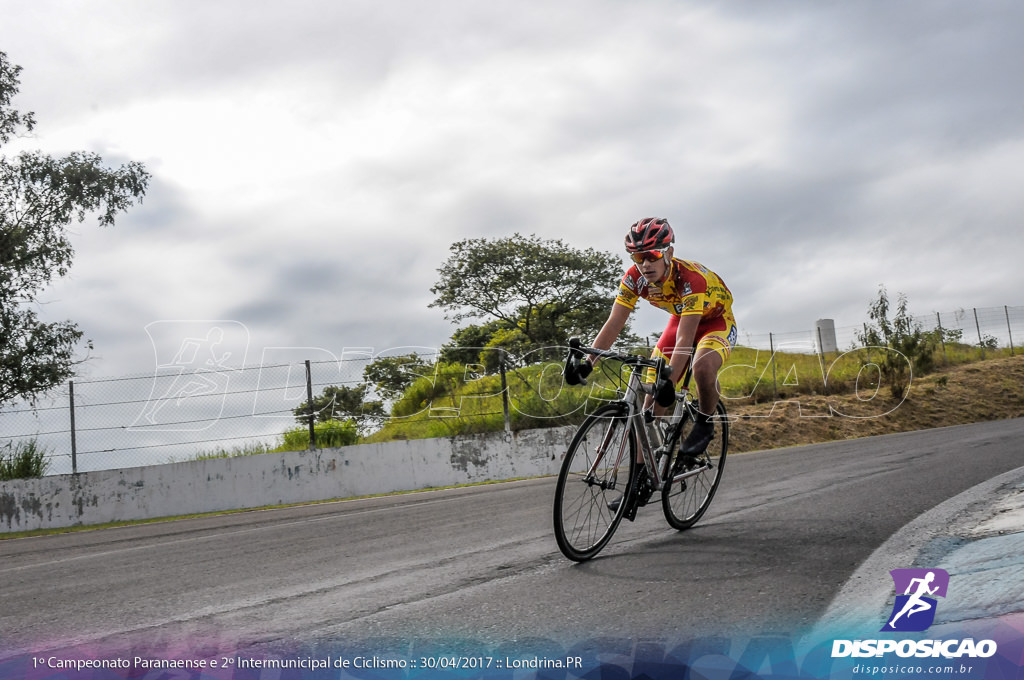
544 288
391 376
466 343
341 403
508 346
40 196
909 346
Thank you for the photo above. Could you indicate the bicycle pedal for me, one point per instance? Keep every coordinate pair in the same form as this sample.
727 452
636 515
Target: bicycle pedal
643 492
684 463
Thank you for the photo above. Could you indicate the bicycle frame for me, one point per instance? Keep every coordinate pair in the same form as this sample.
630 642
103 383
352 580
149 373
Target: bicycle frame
633 397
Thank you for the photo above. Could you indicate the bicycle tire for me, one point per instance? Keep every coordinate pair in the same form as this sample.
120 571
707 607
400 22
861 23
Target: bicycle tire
685 501
583 521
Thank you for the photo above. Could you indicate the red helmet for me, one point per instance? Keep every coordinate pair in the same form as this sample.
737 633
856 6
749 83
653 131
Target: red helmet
650 233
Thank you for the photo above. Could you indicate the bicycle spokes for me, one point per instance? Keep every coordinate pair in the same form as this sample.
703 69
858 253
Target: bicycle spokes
593 483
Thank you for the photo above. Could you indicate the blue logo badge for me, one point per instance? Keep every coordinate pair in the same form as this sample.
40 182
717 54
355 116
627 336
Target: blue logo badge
916 590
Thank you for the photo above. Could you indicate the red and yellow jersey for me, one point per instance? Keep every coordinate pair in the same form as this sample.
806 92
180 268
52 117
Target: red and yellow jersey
689 288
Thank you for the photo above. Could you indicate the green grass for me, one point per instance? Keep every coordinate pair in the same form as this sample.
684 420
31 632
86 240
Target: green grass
759 376
22 460
457 401
329 434
247 449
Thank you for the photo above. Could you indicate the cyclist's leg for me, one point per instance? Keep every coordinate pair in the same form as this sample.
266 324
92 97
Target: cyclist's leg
664 348
714 343
706 365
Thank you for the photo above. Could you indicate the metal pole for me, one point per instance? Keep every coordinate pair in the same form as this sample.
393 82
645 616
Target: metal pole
1006 310
981 343
775 386
504 395
821 361
312 412
942 338
74 444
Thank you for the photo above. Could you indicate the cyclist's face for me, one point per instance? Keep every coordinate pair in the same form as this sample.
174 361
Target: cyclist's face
656 270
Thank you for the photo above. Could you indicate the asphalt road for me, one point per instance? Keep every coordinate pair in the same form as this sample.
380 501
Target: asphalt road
786 530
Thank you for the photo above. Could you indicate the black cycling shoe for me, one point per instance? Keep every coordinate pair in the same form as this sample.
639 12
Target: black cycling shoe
700 436
644 490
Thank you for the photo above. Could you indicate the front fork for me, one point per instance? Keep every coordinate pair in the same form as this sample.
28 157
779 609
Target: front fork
602 451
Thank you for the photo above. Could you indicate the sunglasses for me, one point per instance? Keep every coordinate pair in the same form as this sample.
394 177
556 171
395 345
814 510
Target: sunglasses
648 255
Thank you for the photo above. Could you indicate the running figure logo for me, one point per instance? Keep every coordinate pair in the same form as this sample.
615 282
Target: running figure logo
194 360
914 610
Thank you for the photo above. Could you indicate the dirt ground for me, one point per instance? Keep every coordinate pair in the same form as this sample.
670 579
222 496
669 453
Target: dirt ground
985 390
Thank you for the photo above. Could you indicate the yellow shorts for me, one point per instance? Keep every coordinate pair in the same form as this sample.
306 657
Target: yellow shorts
717 335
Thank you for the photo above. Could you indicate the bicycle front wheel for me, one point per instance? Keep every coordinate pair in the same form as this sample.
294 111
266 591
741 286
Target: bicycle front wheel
692 483
594 483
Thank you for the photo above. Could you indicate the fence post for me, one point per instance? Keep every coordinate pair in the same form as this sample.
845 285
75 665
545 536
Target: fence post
821 361
1009 330
312 410
504 394
74 444
981 343
867 348
942 338
775 385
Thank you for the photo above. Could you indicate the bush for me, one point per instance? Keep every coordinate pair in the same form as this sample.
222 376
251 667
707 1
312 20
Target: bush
910 346
329 434
249 449
22 460
435 392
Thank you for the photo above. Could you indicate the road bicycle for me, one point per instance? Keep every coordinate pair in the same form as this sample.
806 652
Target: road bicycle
600 481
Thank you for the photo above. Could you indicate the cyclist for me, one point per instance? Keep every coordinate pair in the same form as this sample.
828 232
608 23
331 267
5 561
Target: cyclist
701 319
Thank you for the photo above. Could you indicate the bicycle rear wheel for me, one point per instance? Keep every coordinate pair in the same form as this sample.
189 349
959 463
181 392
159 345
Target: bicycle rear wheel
687 493
595 472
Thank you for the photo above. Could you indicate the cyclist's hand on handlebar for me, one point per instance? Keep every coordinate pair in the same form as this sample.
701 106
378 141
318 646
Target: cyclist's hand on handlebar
576 368
576 372
665 390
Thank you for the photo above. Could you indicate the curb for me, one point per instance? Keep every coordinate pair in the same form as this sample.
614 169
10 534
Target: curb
977 536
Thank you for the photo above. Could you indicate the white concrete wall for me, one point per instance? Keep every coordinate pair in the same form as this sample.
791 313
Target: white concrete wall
276 478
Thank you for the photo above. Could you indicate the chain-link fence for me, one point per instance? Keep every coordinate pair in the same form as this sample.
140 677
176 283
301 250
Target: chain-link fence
983 328
185 411
175 415
178 413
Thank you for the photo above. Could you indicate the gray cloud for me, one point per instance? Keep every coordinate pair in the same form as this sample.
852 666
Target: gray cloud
313 160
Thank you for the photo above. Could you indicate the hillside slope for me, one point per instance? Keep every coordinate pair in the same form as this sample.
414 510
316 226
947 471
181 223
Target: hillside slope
967 393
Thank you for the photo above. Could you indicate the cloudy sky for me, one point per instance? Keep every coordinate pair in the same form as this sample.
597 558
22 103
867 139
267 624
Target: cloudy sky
312 160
